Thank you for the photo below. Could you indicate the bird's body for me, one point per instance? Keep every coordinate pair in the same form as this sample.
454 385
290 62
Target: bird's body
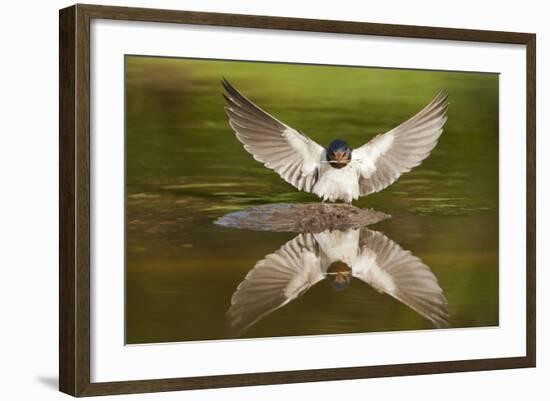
337 183
336 172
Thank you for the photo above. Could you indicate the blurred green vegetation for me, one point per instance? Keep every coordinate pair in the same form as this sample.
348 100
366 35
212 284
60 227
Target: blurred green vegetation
185 168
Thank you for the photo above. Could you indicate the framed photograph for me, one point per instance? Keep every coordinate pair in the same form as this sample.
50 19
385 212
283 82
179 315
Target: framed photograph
251 200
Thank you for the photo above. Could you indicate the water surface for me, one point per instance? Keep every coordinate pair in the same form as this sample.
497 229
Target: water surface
185 169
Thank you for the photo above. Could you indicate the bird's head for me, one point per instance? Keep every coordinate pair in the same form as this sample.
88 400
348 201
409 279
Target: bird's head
338 153
339 275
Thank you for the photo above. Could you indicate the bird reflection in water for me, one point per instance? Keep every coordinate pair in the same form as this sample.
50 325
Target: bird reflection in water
337 256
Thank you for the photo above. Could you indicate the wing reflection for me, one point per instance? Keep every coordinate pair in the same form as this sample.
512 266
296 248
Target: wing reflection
337 256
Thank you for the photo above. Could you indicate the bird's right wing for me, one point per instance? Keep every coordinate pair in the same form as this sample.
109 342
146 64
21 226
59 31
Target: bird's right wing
390 269
275 281
382 160
294 156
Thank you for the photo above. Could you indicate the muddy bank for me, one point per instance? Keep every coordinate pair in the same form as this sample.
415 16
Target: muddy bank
304 217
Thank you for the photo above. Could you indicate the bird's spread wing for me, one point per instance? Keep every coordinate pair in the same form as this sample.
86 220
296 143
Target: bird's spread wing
275 281
294 156
390 269
382 160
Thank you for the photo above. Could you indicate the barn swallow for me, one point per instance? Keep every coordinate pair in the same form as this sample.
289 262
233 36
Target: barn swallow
336 172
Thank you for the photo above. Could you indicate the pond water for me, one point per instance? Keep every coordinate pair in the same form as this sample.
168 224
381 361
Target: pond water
185 169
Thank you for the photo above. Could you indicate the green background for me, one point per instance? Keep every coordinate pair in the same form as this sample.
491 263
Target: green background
185 168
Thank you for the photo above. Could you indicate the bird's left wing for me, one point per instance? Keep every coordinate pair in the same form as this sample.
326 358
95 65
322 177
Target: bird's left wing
390 269
294 156
275 281
382 160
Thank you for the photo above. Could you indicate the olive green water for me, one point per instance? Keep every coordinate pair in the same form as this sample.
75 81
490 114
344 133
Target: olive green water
185 168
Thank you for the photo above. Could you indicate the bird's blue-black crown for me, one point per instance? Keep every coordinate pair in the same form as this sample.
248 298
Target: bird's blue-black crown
338 145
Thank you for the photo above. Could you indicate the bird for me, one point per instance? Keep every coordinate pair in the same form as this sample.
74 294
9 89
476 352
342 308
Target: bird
338 256
335 173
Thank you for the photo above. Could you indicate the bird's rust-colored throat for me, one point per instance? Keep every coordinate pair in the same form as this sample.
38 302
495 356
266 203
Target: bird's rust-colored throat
339 159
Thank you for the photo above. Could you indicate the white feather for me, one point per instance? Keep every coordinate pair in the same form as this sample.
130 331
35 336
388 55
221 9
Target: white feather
364 159
337 245
334 184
